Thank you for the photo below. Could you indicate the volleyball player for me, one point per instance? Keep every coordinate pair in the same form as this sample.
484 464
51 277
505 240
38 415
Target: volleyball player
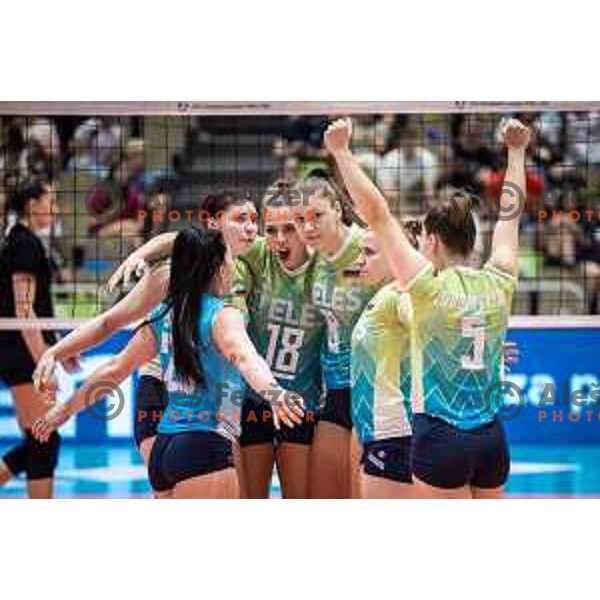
275 276
341 295
205 352
381 377
236 218
460 315
381 409
25 279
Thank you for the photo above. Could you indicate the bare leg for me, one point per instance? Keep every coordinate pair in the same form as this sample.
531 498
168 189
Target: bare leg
378 488
492 494
5 474
424 491
146 449
293 462
168 495
214 486
238 461
330 462
355 467
258 469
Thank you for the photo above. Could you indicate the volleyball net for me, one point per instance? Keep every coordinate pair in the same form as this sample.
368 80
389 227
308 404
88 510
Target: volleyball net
126 172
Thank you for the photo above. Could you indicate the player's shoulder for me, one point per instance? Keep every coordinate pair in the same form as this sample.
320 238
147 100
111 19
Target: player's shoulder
392 301
256 251
22 239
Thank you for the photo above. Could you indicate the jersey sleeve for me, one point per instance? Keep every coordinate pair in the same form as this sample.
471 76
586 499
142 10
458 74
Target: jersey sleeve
156 319
25 256
242 287
403 308
248 270
505 282
423 291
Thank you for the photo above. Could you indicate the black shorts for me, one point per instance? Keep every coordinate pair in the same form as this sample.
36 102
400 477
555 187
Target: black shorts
258 426
151 399
180 456
16 364
338 408
449 458
388 459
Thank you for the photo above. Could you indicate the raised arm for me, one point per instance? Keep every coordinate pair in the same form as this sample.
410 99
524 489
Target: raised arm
149 292
404 261
505 241
139 351
157 248
230 337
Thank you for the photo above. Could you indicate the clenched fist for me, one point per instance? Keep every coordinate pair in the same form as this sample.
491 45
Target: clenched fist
338 135
515 134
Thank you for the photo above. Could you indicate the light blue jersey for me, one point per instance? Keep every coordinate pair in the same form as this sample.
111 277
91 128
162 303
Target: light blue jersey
214 407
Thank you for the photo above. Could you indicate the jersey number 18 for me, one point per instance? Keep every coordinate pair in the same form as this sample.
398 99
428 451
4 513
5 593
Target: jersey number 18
289 340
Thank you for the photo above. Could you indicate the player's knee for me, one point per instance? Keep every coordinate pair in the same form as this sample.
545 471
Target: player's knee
42 458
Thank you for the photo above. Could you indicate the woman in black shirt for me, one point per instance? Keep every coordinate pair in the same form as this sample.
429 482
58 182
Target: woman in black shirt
25 278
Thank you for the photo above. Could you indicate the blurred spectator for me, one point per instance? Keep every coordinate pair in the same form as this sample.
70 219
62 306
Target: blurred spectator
95 146
473 142
560 235
582 138
135 158
41 154
369 138
115 205
408 174
588 252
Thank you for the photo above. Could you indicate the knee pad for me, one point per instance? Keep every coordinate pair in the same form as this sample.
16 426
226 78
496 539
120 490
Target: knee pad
42 458
16 459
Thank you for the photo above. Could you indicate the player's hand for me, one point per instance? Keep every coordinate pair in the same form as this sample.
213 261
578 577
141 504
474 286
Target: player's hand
338 135
43 428
123 275
515 134
288 410
44 376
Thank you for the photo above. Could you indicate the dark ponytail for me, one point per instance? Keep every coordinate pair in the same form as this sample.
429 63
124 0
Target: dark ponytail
452 220
198 254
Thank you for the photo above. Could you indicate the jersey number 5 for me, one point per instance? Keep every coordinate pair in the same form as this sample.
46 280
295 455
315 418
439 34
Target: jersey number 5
474 328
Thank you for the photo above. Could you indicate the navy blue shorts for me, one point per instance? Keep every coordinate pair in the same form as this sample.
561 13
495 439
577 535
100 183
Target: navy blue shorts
258 426
450 458
180 456
338 408
388 459
151 400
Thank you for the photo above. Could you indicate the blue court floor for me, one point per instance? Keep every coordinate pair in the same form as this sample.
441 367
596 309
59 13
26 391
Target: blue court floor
117 472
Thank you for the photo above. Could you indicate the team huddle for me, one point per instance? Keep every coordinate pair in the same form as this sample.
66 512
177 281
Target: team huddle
356 360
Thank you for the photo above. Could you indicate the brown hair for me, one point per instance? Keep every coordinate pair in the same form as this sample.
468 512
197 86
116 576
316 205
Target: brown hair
412 229
451 219
328 189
